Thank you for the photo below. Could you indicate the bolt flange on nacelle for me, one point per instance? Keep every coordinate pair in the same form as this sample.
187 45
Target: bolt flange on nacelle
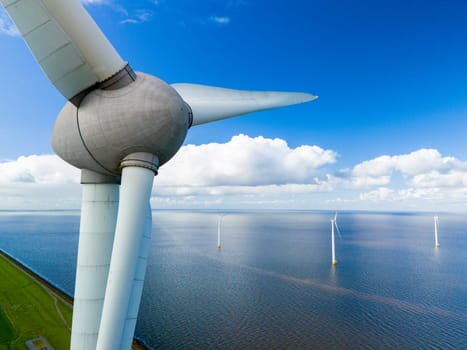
146 116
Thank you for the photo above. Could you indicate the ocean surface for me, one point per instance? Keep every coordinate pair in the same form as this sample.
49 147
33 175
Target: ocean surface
272 286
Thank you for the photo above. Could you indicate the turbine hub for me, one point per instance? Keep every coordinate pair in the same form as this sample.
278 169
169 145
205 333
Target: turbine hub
147 116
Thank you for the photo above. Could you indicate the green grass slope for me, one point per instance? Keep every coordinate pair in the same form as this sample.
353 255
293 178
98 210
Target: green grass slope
28 310
31 310
7 332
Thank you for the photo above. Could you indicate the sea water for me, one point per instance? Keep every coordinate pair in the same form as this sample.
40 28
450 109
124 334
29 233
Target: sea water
272 285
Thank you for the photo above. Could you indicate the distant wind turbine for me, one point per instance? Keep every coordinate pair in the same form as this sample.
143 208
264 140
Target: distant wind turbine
333 246
436 219
219 221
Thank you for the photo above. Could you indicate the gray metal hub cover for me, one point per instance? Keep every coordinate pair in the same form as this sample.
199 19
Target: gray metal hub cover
145 116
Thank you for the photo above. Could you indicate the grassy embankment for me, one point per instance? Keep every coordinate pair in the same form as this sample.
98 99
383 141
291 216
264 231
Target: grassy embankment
31 310
30 307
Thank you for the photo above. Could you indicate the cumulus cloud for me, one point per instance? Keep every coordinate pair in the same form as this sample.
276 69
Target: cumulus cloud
380 194
424 167
39 169
244 167
38 182
245 161
420 178
451 178
257 172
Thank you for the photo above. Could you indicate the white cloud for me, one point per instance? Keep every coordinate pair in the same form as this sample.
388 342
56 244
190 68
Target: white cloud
381 194
38 169
245 167
7 27
377 167
424 167
38 182
419 179
452 178
425 160
140 16
262 190
245 161
258 172
418 196
223 20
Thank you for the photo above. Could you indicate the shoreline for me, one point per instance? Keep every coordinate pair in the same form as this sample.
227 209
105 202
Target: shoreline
53 289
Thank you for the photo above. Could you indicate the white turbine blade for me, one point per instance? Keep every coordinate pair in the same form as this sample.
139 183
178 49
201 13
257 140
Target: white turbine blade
138 283
97 227
135 192
210 104
333 245
337 228
66 42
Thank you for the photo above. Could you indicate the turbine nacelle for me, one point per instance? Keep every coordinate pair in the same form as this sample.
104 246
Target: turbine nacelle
146 116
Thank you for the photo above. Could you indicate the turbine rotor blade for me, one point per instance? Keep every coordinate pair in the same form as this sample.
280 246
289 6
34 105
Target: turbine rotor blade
210 104
138 283
337 228
66 42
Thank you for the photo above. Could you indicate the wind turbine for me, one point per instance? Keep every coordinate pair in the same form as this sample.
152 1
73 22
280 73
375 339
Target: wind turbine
219 222
436 219
333 246
118 127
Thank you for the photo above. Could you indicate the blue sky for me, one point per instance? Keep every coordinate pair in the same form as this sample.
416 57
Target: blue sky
390 122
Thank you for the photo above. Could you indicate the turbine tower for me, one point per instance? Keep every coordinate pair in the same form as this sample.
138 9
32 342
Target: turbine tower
118 127
219 232
333 244
219 223
436 219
